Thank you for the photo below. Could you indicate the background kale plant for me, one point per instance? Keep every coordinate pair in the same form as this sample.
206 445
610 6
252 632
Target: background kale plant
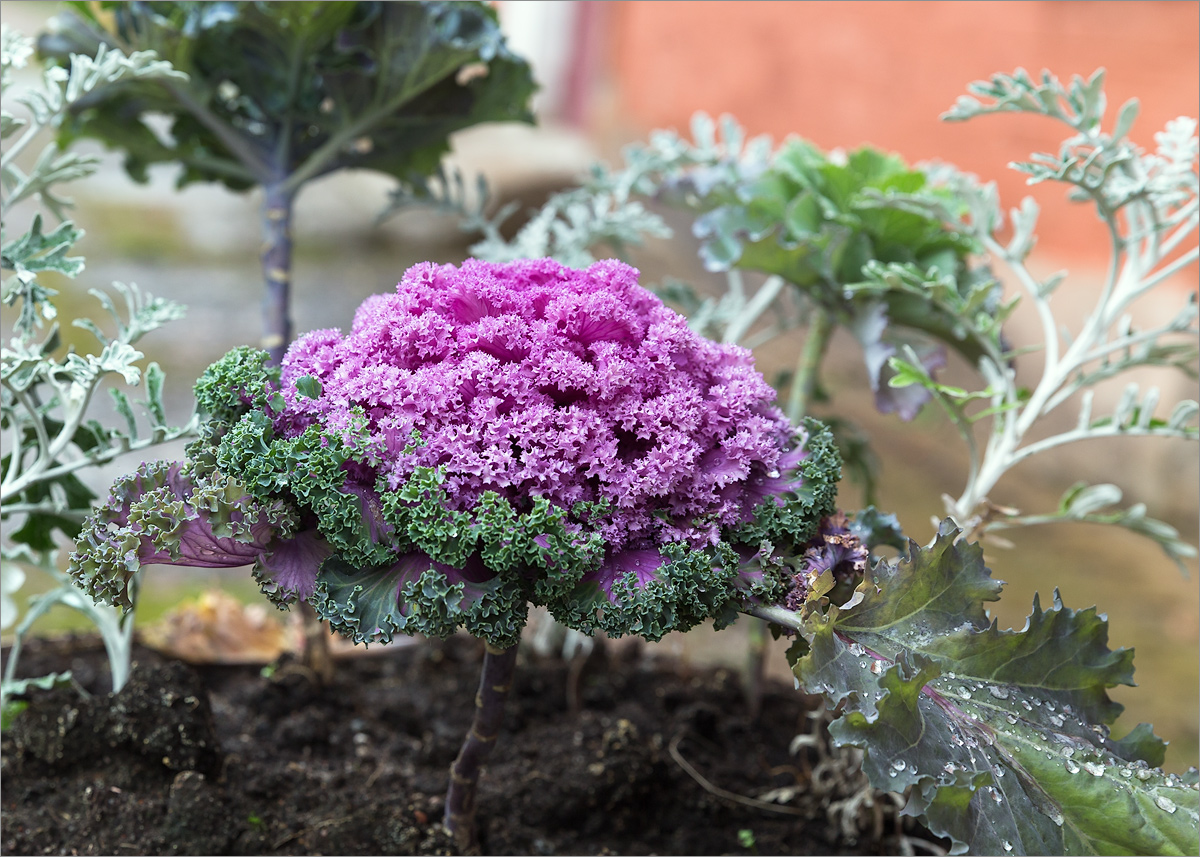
45 395
1003 736
280 94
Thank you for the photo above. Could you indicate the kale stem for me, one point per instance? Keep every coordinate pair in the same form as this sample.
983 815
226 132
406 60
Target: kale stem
495 681
756 665
804 381
277 269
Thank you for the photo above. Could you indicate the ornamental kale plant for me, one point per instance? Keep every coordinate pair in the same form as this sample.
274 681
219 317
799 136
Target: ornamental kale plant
487 437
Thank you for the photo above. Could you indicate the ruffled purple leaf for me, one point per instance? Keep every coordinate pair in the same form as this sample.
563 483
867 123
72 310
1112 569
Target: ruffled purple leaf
165 514
287 569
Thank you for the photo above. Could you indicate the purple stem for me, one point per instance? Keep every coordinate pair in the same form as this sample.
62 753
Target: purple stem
277 269
495 681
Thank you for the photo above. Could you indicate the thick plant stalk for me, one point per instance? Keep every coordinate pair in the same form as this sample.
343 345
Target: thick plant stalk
495 681
277 270
756 665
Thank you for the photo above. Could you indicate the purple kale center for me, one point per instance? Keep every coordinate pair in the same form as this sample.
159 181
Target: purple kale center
532 379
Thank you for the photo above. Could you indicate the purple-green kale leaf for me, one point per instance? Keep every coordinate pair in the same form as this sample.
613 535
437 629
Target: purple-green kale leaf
165 513
1003 736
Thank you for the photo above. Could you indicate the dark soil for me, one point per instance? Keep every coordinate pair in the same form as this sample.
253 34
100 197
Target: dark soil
239 760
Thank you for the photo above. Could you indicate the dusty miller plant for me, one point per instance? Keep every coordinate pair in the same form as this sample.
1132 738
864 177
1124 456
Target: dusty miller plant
1000 738
50 438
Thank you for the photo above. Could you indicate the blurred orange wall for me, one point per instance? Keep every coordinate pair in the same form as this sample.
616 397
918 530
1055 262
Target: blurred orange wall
846 73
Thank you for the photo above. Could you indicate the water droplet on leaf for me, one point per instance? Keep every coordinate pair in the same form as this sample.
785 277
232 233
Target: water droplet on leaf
1165 804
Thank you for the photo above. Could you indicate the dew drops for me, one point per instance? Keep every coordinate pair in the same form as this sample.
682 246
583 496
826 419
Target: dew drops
877 667
966 694
899 764
855 649
994 795
1055 815
949 768
998 692
1165 804
1126 772
1094 768
1072 768
1011 718
1068 752
1025 704
1006 845
1143 774
999 773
